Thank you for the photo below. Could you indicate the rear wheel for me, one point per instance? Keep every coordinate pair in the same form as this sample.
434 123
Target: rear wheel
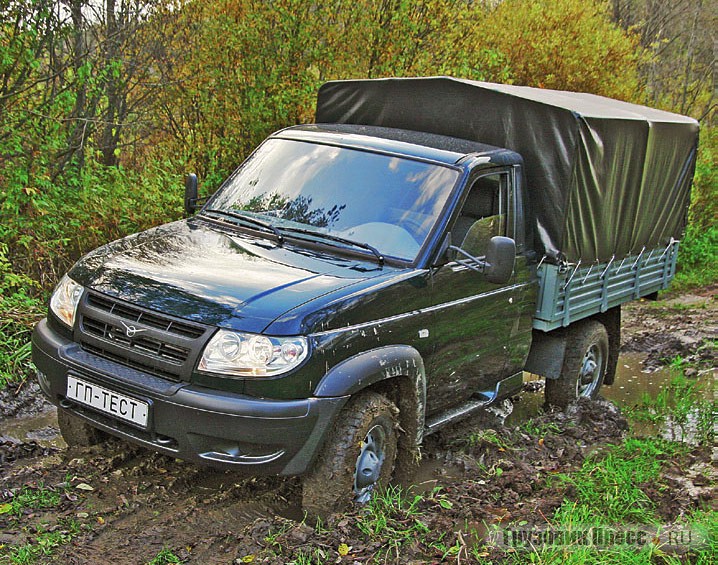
584 366
77 432
358 456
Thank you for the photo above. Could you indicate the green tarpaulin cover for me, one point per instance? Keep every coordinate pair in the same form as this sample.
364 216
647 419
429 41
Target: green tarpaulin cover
605 178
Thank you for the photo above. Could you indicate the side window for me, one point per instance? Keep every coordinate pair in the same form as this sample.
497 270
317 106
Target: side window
483 215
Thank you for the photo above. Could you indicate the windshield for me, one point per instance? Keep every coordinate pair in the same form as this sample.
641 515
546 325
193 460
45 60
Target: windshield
388 202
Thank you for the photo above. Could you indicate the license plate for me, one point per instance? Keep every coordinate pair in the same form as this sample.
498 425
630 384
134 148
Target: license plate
108 401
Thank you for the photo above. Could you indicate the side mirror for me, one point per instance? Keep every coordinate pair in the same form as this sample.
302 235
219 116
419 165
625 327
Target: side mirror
500 259
190 194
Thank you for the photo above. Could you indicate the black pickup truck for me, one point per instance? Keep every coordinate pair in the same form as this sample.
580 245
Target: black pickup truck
360 282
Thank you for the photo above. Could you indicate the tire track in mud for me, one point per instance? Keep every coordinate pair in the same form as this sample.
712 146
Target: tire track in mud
142 502
150 502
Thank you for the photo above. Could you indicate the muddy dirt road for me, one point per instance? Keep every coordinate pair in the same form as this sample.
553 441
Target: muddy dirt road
115 503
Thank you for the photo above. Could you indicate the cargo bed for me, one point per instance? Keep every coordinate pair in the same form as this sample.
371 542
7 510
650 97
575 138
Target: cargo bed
570 293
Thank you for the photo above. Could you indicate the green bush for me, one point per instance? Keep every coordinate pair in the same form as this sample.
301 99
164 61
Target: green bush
698 255
18 311
49 225
47 228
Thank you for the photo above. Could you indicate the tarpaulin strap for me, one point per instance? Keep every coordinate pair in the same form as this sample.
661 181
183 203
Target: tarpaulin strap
650 255
638 258
620 267
603 274
669 246
589 273
568 282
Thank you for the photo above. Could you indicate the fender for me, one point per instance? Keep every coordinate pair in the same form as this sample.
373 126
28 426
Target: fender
548 349
546 355
368 368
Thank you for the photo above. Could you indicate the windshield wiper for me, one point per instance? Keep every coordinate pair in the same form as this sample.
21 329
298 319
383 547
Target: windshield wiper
337 239
248 219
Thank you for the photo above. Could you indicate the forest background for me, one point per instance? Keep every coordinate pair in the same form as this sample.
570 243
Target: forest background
106 104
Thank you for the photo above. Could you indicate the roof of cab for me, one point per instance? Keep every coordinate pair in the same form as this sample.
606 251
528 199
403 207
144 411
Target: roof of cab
439 148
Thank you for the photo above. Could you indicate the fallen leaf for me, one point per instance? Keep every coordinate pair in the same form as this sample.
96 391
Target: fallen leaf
84 486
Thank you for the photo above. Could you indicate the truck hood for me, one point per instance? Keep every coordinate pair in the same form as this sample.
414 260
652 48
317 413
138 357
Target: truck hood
193 270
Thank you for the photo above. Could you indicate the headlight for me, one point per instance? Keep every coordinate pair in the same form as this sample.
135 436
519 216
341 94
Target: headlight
251 355
65 299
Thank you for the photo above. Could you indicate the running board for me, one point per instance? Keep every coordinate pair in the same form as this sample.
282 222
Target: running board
504 388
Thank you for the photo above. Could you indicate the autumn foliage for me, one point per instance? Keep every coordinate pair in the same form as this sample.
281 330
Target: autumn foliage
105 105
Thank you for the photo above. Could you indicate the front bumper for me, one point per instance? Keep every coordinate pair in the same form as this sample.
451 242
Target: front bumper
221 429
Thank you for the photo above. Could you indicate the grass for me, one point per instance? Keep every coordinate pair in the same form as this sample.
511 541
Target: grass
394 518
28 498
486 437
393 514
609 487
390 522
611 490
42 543
40 532
610 505
14 354
19 309
164 557
697 259
698 254
539 429
315 556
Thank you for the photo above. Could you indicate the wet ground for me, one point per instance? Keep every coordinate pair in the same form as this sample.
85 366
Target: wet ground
130 504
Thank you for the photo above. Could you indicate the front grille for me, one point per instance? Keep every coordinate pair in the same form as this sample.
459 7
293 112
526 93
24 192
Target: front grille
152 319
144 345
144 340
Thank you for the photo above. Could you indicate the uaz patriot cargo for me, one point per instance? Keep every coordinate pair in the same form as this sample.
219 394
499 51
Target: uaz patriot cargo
359 282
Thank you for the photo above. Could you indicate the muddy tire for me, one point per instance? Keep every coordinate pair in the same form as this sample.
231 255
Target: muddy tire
359 455
77 432
584 365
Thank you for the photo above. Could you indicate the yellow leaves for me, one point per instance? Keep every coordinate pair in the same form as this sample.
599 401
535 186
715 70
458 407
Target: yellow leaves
247 558
343 549
562 44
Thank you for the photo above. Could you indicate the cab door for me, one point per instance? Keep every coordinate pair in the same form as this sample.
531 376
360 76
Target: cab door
475 319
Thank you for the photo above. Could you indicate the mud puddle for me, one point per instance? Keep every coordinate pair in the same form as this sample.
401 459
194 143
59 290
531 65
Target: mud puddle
40 428
633 383
636 384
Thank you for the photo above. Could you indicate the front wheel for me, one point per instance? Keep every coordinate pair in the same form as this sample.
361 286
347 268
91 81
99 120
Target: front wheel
359 454
584 365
